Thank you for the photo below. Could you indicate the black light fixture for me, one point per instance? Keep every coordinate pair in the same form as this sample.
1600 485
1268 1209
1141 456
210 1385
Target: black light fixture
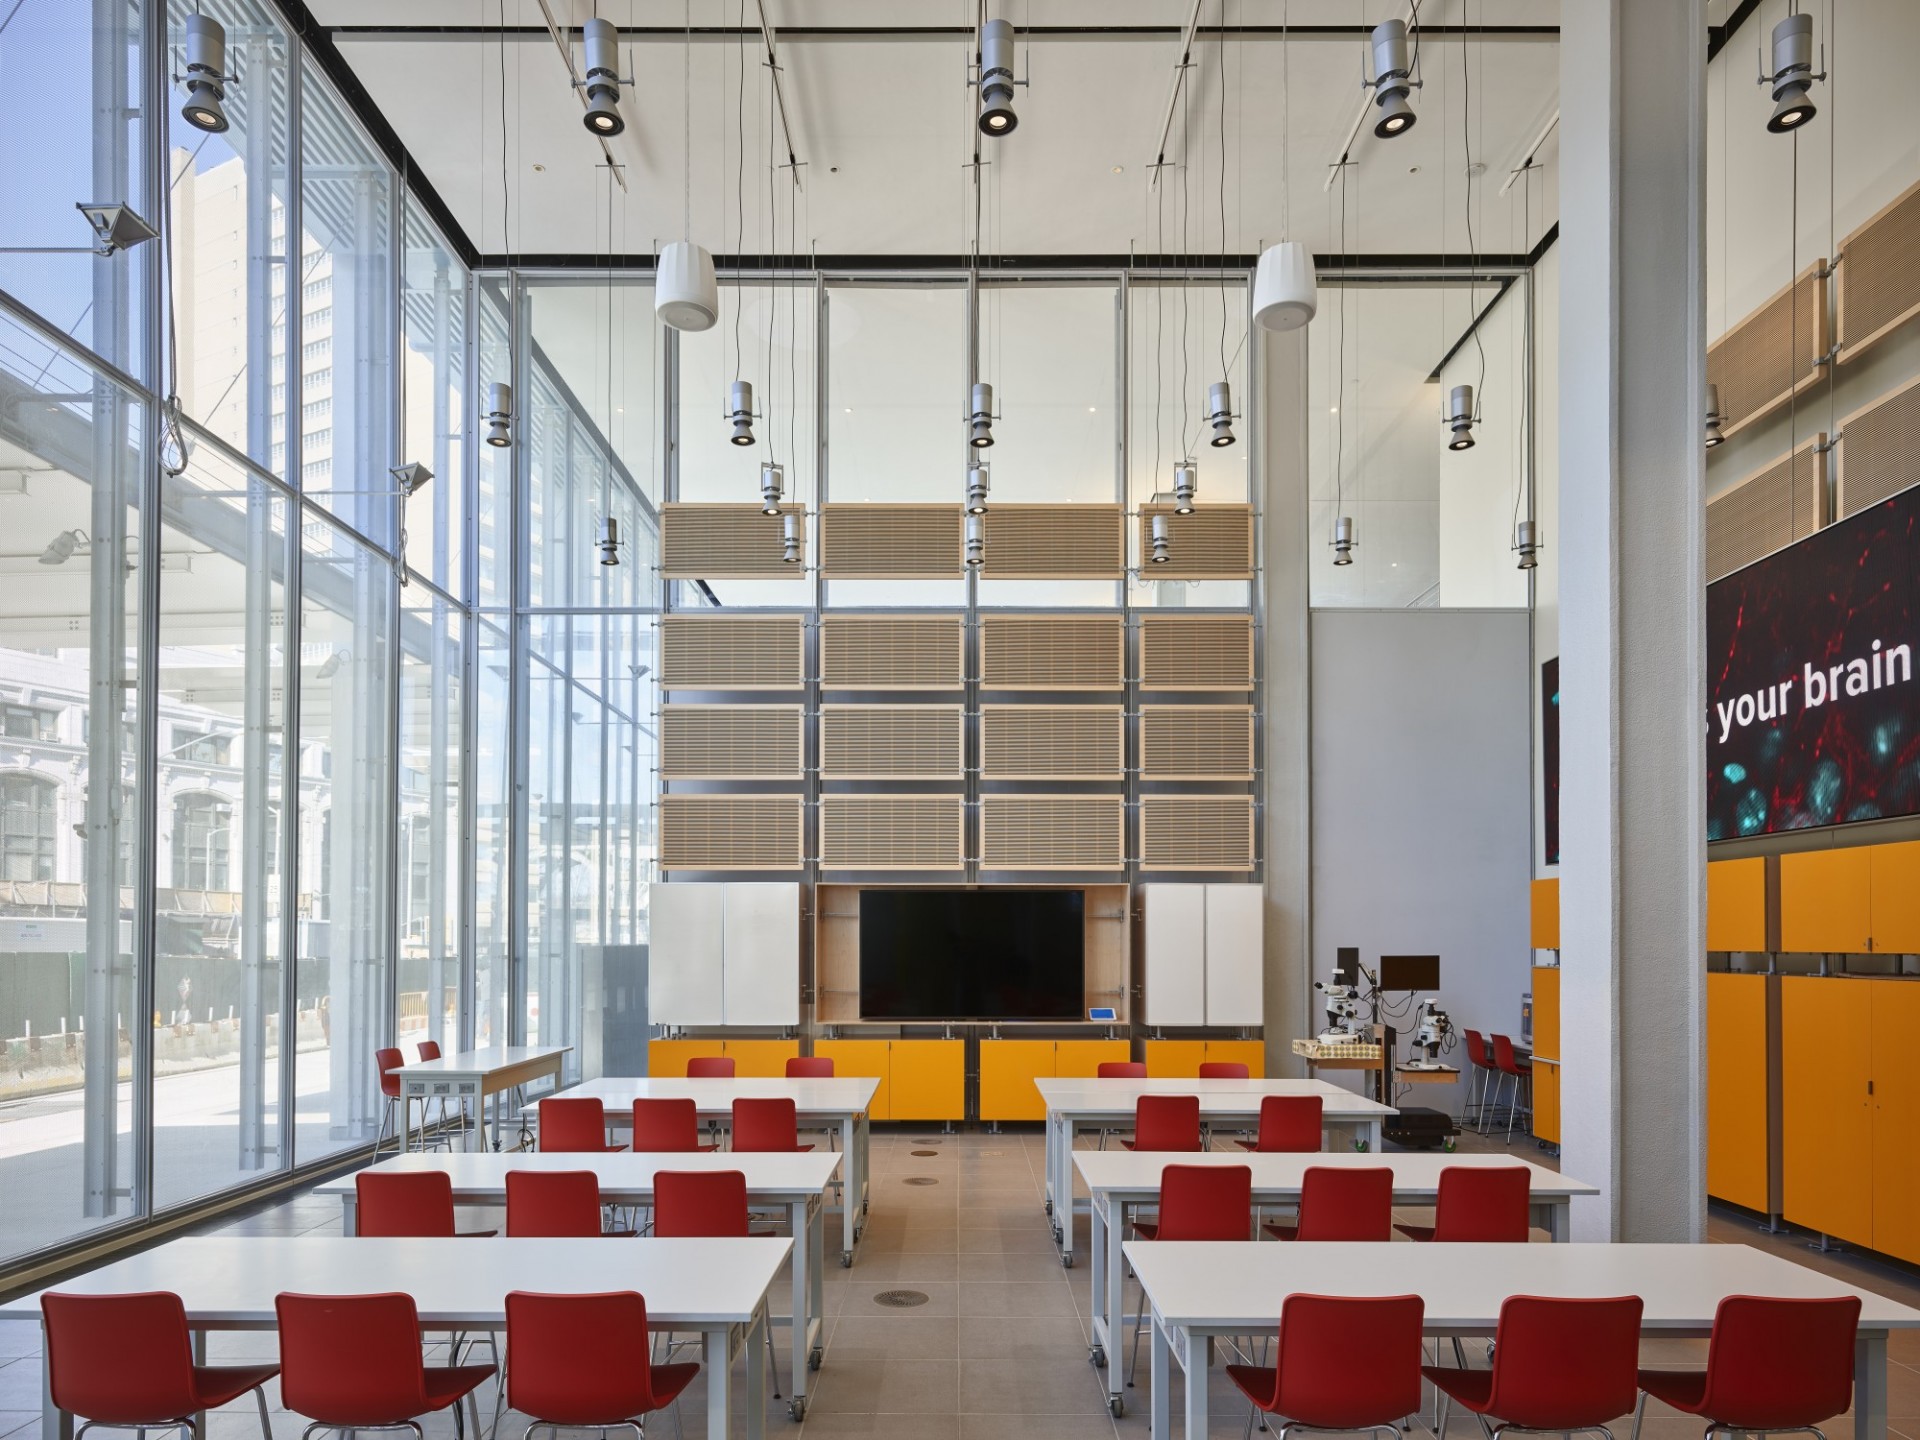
773 483
601 42
1344 540
1714 418
206 78
1186 485
980 417
1459 418
978 481
996 79
1792 78
608 542
499 414
1220 413
1392 79
740 411
1159 544
790 552
1526 543
976 541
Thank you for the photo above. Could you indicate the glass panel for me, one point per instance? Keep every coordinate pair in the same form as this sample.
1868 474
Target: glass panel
494 562
492 855
433 297
217 958
69 802
432 672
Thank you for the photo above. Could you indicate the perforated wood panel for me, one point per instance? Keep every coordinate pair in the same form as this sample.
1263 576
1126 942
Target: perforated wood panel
1196 832
1052 742
1052 832
1767 511
726 542
1879 451
1215 542
730 832
733 652
890 542
1878 281
1196 742
731 742
1196 652
890 742
892 832
1771 353
1055 542
875 652
1052 652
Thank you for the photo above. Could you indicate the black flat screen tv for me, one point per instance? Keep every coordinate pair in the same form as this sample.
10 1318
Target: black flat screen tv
972 954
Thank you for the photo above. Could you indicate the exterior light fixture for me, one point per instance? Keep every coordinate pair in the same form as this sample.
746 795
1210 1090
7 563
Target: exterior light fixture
499 414
790 539
996 79
206 78
116 227
602 46
1158 544
1714 417
1284 294
773 483
1792 78
1343 540
740 411
977 483
1220 413
1526 543
686 294
330 666
411 477
1186 484
1392 79
1459 418
980 417
608 542
61 548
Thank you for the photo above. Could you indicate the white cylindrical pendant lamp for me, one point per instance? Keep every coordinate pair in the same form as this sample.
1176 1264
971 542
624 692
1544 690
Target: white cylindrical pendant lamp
686 296
1284 295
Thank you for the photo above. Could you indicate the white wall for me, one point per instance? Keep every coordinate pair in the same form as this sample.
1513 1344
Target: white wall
1481 488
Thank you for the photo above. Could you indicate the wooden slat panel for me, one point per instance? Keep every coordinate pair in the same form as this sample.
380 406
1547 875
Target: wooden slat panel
1052 652
1770 354
1052 742
891 652
1878 280
733 652
730 832
890 542
890 742
1055 542
1196 742
1767 511
1879 450
1196 652
1052 832
1196 832
731 742
892 832
726 542
1215 542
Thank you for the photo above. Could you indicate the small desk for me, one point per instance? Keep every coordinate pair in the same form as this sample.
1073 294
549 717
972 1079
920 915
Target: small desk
1426 1075
474 1075
795 1183
1122 1181
837 1104
1079 1104
717 1288
1199 1290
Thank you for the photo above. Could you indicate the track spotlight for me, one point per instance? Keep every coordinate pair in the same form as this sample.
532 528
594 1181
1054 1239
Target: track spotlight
740 411
1343 540
206 77
773 482
1714 417
976 541
1220 412
685 294
1459 418
602 46
790 539
116 227
1284 295
996 79
411 477
980 417
608 542
61 548
977 482
1392 79
1158 543
1526 543
1792 78
499 413
1186 484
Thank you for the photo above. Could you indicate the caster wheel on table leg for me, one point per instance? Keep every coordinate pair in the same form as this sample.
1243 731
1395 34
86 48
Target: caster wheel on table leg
1097 1357
1049 1207
1066 1260
846 1259
813 1358
797 1407
1118 1405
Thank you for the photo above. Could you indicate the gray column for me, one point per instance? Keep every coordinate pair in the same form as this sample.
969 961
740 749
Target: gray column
1632 472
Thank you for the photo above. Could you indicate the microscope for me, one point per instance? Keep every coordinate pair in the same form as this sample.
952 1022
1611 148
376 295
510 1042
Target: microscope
1343 1014
1434 1032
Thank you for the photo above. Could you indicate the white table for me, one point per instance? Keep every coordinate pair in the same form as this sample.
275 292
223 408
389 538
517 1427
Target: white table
1201 1290
474 1075
1080 1104
836 1104
795 1183
718 1288
1123 1181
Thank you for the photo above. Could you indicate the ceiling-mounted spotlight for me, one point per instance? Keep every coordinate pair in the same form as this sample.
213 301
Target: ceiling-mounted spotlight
980 417
1459 418
1284 295
206 78
411 477
977 482
740 411
976 538
500 413
1186 484
608 542
1792 78
1392 79
686 295
773 482
1714 417
61 548
1158 544
1343 540
602 46
1220 412
1526 543
790 539
996 79
116 227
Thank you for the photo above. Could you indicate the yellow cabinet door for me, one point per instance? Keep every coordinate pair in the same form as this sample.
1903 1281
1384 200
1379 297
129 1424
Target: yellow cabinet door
1174 1059
1896 1118
1250 1053
667 1059
1737 904
1543 914
1737 1139
1082 1059
1896 898
762 1059
1546 1101
1826 1121
1826 901
928 1079
861 1059
1008 1069
1546 1011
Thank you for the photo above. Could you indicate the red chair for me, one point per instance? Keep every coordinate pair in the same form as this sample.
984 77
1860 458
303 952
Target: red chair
1352 1205
1120 1070
706 1204
1479 1204
555 1204
1772 1366
1224 1070
667 1127
766 1126
710 1067
583 1361
388 1060
1557 1365
1197 1202
1289 1125
353 1362
574 1125
1166 1123
126 1362
1508 1065
1481 1060
1340 1364
809 1067
406 1204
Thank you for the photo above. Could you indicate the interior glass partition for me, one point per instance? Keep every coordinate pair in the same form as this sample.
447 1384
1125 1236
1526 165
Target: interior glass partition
431 818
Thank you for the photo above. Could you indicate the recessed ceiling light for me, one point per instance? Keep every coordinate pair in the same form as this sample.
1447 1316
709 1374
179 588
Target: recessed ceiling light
538 168
1333 409
1119 169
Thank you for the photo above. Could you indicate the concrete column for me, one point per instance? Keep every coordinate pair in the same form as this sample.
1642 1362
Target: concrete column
1632 477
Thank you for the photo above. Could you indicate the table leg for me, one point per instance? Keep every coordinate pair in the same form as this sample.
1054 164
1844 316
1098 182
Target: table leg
757 1373
1559 1222
1197 1361
1053 1124
1102 1330
1373 1142
349 1214
1870 1385
1161 1403
1115 1265
718 1369
55 1423
496 1115
817 1290
802 1292
199 1358
851 1194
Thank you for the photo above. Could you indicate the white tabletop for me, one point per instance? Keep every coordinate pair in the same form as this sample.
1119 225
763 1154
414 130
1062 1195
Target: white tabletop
483 1175
1416 1176
494 1057
1207 1285
1217 1097
810 1096
229 1282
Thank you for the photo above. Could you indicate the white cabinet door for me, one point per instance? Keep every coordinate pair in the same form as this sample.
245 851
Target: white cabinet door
761 925
683 954
1234 960
1175 937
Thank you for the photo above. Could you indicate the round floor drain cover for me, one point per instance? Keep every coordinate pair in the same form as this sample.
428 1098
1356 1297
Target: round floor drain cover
900 1299
926 1152
920 1180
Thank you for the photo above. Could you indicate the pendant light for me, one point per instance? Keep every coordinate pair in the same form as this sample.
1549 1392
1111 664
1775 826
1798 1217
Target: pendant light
1159 544
1392 79
773 481
1344 540
978 481
1186 485
980 416
499 414
206 78
601 44
1284 294
607 540
1526 543
1792 78
1220 413
740 411
1459 418
976 541
996 79
790 539
1715 417
686 293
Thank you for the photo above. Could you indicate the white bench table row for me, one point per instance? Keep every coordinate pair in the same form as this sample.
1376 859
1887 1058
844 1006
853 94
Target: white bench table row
797 1184
1124 1181
838 1104
1199 1291
1077 1105
474 1075
717 1288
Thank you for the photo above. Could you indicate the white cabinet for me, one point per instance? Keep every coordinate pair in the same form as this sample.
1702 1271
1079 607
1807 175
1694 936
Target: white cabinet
1235 959
724 954
1204 960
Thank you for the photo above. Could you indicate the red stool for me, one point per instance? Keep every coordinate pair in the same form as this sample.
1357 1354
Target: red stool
1773 1367
1197 1202
1480 1058
1509 1066
1337 1203
575 1125
353 1362
1561 1365
1341 1364
388 1060
584 1361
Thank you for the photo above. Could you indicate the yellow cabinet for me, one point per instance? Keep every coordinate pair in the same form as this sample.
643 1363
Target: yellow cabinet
1250 1053
861 1059
1896 898
1826 1121
667 1059
1546 1011
1826 901
1737 1131
1174 1059
1896 1119
927 1079
1544 914
1008 1069
1737 905
1546 1101
1082 1059
761 1059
